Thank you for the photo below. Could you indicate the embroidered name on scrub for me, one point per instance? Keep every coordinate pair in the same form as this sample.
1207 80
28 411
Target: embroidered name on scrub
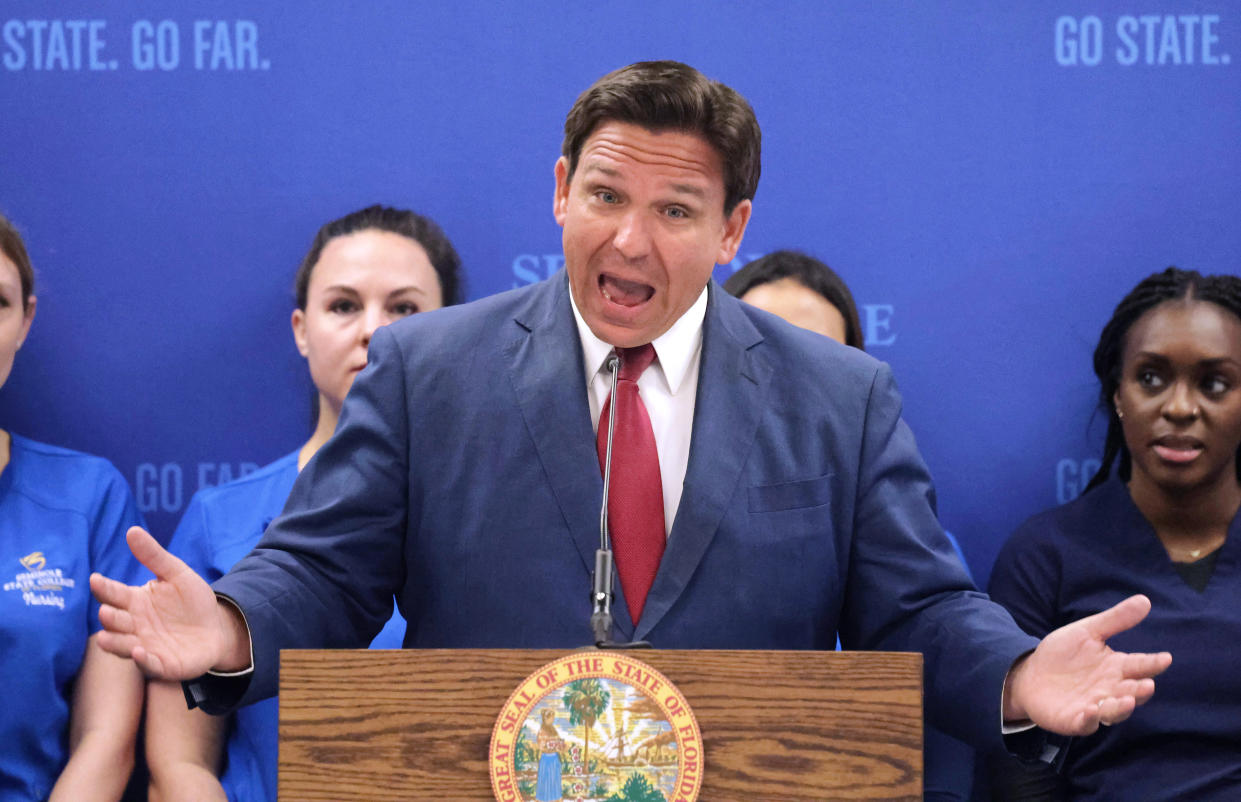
40 586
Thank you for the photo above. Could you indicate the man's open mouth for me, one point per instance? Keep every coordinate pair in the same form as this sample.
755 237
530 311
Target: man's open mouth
623 292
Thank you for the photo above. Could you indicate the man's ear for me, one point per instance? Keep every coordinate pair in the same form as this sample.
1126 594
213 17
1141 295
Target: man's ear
734 230
560 204
298 321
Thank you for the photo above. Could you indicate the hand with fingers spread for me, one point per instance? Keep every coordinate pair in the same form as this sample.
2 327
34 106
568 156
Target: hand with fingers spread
173 627
1074 681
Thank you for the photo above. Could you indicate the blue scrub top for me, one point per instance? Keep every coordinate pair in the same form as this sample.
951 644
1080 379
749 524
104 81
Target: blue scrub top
62 516
220 526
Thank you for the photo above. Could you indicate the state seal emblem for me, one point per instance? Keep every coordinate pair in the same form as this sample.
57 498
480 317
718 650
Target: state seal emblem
596 727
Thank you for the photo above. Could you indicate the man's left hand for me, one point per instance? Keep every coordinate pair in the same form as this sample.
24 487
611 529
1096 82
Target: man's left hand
1073 682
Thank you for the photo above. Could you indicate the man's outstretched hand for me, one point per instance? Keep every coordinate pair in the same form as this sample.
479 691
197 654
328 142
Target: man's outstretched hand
173 626
1073 681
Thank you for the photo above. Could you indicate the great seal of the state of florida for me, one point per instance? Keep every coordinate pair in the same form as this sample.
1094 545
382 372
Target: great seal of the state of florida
593 727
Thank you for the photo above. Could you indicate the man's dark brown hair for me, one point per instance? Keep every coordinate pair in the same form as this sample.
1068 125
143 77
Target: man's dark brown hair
671 96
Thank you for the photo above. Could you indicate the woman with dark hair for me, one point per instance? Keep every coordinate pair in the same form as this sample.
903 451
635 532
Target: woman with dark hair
71 709
1165 524
803 291
364 270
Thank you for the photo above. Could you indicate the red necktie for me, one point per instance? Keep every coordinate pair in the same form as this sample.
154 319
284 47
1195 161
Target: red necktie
636 494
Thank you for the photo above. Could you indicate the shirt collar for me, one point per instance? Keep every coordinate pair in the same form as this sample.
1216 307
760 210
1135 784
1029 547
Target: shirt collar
675 349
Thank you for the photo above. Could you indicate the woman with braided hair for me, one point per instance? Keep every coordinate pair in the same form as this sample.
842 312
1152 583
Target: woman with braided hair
1160 517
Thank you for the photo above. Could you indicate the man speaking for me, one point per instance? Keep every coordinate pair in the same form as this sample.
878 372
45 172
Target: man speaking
765 492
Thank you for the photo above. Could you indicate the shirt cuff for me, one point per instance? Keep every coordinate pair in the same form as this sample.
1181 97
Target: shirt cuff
249 641
1011 727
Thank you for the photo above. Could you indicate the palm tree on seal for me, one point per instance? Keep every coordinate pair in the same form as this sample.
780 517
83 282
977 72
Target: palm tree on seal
586 699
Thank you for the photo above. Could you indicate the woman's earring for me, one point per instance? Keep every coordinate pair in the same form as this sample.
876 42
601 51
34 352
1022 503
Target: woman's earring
1120 413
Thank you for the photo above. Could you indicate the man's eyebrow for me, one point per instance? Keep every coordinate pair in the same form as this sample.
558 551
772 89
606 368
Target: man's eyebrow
690 189
596 167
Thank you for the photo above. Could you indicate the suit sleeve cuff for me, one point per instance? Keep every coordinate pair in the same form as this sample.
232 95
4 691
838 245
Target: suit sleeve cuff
1036 745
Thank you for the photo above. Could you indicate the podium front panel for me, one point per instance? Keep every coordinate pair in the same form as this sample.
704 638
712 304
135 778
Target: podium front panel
777 726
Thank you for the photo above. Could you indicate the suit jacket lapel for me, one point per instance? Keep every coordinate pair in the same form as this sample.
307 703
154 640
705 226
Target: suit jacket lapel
732 383
545 368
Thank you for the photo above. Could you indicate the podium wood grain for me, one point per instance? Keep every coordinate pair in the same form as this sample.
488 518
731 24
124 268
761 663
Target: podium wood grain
777 726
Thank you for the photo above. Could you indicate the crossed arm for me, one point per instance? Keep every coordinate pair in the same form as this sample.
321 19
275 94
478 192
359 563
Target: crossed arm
184 747
103 725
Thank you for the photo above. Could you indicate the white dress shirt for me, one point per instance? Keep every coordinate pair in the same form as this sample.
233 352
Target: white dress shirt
669 389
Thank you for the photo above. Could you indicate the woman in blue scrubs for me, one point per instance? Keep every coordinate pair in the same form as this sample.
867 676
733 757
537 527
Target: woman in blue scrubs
69 711
365 270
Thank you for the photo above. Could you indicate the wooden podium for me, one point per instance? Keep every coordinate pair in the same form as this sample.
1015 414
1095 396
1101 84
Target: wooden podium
777 726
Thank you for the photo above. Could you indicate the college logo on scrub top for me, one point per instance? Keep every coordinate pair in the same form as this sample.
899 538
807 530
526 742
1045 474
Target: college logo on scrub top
594 726
39 585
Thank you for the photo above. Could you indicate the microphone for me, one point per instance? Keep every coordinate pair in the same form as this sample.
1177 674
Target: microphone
601 579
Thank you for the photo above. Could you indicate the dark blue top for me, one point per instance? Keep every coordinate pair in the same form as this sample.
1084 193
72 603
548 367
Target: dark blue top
62 515
1081 558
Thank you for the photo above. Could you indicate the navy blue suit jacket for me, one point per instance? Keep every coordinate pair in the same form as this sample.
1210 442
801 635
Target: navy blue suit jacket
463 479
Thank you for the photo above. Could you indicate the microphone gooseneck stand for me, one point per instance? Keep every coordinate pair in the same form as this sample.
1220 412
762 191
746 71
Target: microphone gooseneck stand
602 578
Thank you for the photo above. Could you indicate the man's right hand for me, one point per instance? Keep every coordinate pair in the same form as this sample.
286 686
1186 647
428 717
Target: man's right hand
173 627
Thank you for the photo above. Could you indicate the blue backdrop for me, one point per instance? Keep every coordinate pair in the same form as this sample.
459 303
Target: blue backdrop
990 178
